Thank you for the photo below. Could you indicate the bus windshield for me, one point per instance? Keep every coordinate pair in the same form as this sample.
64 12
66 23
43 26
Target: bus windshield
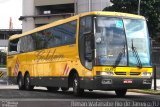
120 40
137 38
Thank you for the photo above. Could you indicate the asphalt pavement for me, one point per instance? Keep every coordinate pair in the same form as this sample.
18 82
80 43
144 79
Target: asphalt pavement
10 96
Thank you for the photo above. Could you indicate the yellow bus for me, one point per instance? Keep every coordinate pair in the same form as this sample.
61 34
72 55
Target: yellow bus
90 51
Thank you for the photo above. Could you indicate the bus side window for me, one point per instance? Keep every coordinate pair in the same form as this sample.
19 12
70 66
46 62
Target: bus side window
13 46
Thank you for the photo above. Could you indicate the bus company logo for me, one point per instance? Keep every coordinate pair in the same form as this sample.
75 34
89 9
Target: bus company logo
16 68
48 56
66 70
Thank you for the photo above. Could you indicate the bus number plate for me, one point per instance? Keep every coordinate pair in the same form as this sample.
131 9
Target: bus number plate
127 81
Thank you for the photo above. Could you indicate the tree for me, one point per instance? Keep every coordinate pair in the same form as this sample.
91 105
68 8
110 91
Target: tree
149 8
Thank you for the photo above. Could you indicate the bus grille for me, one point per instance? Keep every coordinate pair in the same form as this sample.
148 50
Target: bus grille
135 73
120 73
130 73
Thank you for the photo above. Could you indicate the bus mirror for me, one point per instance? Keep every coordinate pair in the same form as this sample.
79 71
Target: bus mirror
92 42
87 33
89 45
89 37
88 57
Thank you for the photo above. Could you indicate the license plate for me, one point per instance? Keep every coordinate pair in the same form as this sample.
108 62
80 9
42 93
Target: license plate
127 81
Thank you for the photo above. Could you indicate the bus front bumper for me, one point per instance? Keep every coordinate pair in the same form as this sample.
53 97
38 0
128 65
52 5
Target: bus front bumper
111 83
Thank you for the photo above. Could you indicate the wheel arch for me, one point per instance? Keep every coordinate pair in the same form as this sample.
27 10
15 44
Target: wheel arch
71 76
26 73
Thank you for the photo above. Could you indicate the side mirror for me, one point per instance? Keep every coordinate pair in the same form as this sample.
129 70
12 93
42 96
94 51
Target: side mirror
89 37
88 57
89 46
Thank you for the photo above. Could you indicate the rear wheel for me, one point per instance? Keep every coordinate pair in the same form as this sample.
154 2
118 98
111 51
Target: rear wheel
76 86
51 89
121 92
27 82
20 82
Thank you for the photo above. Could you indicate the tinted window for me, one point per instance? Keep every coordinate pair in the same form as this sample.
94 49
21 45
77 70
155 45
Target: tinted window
56 36
85 25
13 45
27 44
61 35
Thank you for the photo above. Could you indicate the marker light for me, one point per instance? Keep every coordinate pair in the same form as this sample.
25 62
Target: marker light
146 74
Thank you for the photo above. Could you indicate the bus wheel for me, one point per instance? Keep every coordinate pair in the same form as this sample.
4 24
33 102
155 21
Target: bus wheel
121 92
52 89
76 86
27 82
20 82
64 89
90 90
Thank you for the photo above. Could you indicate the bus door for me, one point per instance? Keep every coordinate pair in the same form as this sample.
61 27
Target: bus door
86 42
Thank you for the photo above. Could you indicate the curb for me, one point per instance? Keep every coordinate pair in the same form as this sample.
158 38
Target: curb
149 91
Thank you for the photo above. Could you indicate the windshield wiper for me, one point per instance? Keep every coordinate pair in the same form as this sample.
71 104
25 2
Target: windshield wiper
119 57
118 60
134 50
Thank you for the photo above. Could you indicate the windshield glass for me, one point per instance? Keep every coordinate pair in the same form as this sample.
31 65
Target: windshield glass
137 38
119 40
110 42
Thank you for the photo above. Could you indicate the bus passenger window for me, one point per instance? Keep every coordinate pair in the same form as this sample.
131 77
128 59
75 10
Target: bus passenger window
13 46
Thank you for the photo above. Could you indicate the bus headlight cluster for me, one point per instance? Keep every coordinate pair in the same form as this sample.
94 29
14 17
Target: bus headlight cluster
104 73
146 74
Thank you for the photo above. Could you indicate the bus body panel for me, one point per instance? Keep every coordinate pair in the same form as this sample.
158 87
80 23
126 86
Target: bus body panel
52 66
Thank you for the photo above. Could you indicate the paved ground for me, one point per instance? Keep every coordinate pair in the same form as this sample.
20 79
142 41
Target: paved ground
10 96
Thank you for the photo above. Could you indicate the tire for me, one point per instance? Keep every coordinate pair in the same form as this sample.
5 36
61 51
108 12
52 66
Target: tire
64 89
90 90
121 92
27 83
20 82
76 86
52 89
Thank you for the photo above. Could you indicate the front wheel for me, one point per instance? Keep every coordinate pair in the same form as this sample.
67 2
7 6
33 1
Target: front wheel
76 86
64 89
121 92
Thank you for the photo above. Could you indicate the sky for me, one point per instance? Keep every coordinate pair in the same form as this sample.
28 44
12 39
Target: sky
10 8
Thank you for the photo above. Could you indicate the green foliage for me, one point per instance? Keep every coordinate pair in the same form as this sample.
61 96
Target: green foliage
2 59
2 54
149 8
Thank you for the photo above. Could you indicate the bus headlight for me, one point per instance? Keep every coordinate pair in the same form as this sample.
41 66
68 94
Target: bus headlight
146 74
103 73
